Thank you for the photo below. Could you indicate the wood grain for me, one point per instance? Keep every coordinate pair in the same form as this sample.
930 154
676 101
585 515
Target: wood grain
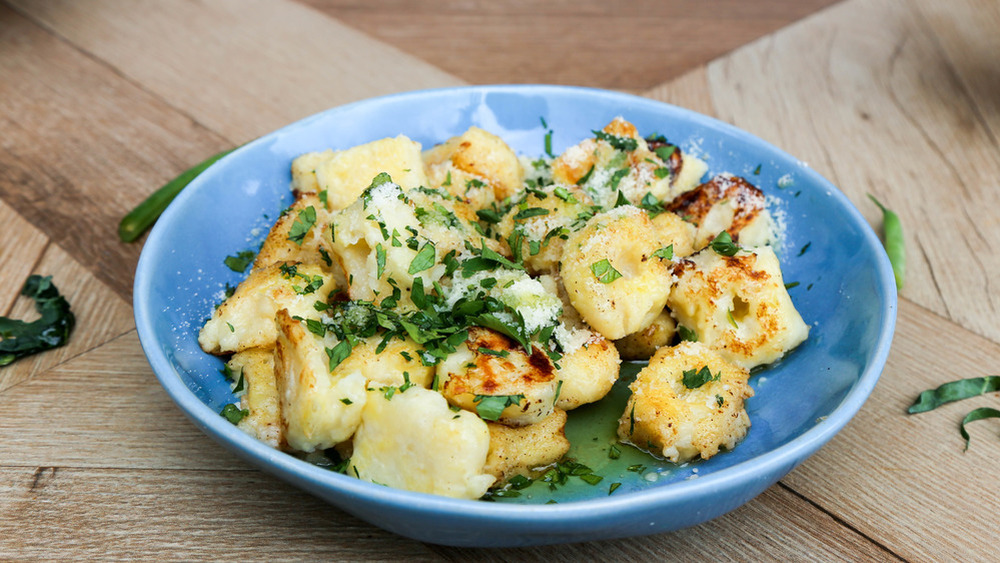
104 409
902 479
174 516
240 67
841 92
101 315
81 146
23 246
776 526
629 46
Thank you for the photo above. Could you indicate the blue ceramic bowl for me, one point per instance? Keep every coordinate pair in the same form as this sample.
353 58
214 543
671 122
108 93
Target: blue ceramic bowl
846 292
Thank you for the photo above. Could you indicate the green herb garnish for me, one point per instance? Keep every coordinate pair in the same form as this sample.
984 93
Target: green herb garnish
51 330
305 221
723 244
604 271
489 407
240 261
233 413
955 391
695 378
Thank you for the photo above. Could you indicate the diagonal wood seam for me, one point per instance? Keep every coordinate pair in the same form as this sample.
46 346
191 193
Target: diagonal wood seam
114 70
34 265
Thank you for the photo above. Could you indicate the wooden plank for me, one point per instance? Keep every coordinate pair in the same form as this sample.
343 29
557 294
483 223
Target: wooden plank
101 315
103 409
22 247
901 479
776 526
631 46
207 60
966 32
866 96
49 513
81 146
689 91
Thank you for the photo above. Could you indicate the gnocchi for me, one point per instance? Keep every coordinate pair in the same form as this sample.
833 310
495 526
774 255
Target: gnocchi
425 317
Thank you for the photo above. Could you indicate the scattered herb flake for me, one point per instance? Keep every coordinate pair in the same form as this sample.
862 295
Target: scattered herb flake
604 271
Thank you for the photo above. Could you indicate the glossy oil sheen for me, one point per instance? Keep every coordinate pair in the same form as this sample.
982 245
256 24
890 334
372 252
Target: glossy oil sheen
845 293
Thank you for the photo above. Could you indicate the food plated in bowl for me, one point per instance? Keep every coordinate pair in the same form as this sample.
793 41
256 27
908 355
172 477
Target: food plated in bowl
829 257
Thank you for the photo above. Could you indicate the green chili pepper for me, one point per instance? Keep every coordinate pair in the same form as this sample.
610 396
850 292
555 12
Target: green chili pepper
895 244
145 214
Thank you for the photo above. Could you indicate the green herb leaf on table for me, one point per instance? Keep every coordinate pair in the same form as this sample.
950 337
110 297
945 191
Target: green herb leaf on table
954 391
51 330
976 414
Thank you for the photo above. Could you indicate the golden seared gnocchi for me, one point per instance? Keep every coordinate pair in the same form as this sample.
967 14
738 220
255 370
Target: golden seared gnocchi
536 228
410 439
297 236
613 274
476 166
738 305
426 319
491 371
523 449
726 203
688 402
246 319
643 344
319 409
342 175
255 369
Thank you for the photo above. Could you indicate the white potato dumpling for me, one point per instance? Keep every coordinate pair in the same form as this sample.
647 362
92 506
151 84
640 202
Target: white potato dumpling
676 232
726 203
246 319
622 240
688 177
604 166
388 366
738 305
588 369
667 418
413 441
319 409
542 237
488 364
260 396
444 219
521 450
309 248
643 344
475 157
345 174
361 237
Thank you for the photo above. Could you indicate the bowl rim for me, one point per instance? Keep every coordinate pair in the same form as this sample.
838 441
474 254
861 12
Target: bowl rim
784 456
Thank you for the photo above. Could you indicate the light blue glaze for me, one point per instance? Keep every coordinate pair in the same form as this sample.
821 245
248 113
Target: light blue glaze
799 404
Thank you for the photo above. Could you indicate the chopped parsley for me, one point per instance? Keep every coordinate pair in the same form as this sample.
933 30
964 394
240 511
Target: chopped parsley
240 261
695 378
604 271
303 223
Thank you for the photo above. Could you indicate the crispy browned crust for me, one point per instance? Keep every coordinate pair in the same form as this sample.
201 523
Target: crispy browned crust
495 375
695 204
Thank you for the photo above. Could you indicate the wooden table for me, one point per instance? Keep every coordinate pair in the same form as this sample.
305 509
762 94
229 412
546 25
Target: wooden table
101 102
